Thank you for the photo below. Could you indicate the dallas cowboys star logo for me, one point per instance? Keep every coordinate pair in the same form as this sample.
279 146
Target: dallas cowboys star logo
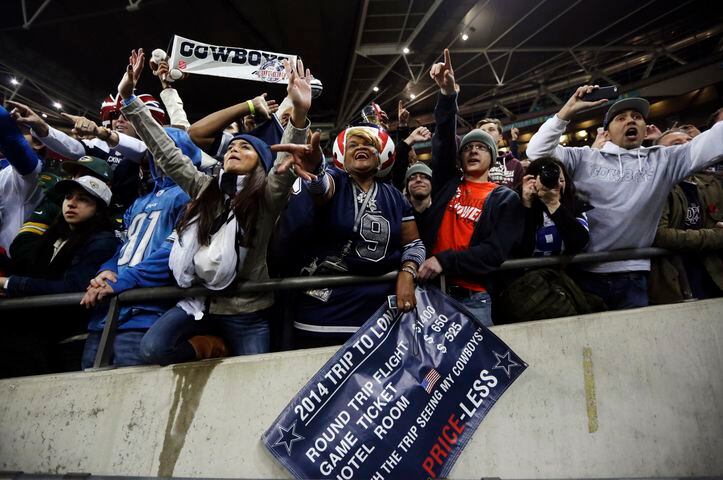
508 362
287 437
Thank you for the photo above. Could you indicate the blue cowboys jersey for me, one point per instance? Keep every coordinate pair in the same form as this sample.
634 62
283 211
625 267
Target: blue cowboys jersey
358 233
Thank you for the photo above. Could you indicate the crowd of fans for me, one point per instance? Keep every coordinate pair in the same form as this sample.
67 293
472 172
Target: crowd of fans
148 199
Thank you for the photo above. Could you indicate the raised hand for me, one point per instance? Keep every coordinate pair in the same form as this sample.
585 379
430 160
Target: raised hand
514 134
576 102
264 108
82 127
403 115
443 74
420 134
304 159
23 115
132 74
600 139
652 132
160 70
298 90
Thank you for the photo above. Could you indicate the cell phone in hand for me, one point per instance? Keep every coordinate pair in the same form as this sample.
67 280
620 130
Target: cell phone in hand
599 93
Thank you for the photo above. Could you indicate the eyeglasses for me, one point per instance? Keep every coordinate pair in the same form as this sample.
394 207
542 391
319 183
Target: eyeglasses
418 176
474 146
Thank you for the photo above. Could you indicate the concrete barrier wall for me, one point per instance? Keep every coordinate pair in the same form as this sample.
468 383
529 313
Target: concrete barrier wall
637 393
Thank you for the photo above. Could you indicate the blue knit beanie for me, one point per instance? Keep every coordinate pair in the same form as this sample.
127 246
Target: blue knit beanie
261 147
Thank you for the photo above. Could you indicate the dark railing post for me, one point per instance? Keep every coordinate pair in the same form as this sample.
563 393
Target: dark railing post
105 348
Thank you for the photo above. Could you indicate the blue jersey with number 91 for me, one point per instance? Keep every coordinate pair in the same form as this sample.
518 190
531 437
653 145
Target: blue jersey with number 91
143 258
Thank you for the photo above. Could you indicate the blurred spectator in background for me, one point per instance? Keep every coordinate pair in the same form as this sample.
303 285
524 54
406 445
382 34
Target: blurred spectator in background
692 224
19 189
506 169
419 188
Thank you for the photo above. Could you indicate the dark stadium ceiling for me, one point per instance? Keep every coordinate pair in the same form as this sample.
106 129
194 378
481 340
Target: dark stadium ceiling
522 58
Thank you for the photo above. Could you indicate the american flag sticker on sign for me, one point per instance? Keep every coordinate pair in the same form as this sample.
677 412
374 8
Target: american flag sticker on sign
430 380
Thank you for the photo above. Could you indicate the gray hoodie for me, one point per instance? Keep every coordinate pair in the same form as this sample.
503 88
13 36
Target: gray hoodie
627 187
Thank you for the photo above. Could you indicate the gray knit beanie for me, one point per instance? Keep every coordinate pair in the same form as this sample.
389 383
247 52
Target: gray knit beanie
418 167
478 135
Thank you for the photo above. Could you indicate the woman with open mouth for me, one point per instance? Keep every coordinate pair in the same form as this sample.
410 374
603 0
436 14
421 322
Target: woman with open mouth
363 227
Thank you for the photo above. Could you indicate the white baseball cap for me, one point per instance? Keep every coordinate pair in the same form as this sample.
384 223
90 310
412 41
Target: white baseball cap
90 184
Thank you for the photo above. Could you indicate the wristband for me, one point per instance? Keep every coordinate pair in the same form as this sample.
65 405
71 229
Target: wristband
252 110
410 271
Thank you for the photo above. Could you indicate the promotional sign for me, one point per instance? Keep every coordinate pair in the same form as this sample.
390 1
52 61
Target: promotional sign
400 399
190 56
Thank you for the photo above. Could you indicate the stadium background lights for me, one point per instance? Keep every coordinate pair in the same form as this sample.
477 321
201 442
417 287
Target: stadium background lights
412 96
45 115
581 134
564 139
405 50
58 105
376 89
465 37
14 81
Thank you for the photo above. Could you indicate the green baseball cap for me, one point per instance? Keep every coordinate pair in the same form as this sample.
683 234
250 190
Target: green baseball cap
47 180
87 165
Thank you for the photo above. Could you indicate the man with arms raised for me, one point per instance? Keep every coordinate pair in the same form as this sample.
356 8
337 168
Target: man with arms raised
626 183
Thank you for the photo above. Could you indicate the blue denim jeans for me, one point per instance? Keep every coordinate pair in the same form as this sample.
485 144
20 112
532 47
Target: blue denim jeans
126 348
618 290
166 341
478 303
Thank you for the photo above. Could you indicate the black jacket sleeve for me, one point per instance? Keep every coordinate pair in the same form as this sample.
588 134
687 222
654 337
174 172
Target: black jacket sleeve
444 142
505 215
82 269
399 170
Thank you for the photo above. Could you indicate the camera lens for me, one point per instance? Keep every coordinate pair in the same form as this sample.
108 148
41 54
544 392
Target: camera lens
550 175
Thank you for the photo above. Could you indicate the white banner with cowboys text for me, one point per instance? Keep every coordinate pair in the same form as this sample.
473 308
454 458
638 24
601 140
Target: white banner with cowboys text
190 56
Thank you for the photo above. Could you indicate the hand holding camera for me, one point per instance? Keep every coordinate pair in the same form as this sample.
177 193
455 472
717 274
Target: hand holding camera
548 187
545 186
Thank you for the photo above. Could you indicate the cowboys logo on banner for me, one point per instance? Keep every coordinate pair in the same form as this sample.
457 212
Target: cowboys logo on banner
190 56
400 399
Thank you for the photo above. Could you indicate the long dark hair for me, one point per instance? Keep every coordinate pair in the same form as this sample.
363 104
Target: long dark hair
568 199
76 238
245 206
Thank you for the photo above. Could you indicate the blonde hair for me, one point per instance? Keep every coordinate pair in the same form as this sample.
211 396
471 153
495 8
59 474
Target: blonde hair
366 135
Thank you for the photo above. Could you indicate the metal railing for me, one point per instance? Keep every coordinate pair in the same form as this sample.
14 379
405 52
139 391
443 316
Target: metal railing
102 358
